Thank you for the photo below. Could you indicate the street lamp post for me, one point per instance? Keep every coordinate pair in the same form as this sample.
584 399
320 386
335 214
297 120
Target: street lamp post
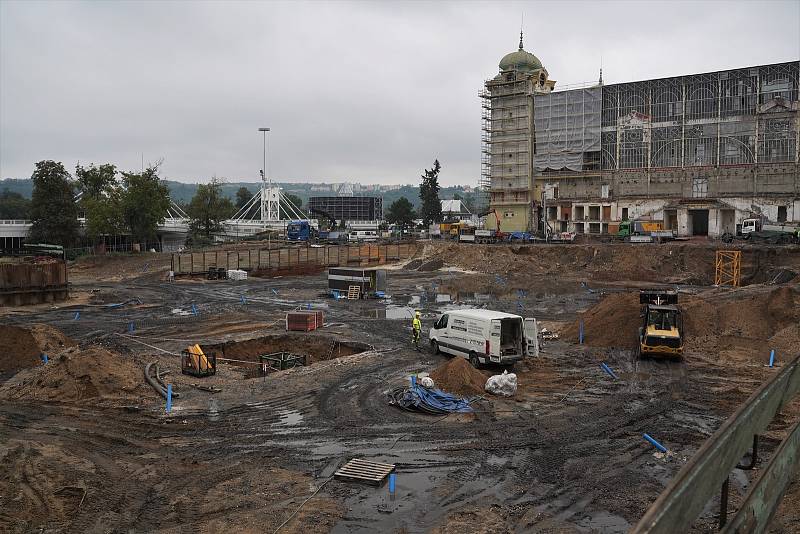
264 200
265 215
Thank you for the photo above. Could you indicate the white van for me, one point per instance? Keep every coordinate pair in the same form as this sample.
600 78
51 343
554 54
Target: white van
485 336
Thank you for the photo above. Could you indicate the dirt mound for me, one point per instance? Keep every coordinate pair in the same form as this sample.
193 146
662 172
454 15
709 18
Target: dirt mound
457 376
740 324
77 374
612 322
743 321
22 346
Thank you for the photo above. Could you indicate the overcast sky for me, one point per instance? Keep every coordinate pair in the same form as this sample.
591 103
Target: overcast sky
366 91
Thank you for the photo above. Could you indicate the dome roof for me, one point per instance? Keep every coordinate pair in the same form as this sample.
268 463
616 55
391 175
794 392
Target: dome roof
520 60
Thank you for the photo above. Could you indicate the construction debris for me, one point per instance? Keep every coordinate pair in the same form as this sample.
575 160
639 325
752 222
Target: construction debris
237 274
505 384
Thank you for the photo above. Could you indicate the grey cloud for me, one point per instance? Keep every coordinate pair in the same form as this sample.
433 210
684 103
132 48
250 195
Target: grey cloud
353 91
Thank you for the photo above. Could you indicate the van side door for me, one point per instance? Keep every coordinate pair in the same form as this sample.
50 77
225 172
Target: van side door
495 326
531 329
439 333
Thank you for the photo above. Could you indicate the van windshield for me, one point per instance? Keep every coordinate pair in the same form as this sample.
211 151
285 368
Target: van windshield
441 323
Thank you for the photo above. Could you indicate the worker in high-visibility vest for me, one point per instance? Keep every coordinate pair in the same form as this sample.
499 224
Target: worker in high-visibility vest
416 326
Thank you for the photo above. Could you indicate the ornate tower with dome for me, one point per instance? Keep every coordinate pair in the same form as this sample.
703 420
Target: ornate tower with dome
507 158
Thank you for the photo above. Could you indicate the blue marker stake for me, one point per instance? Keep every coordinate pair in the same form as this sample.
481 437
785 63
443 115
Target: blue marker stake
392 478
655 444
309 306
169 398
413 381
580 332
130 327
77 316
194 309
772 358
608 370
244 301
276 293
44 358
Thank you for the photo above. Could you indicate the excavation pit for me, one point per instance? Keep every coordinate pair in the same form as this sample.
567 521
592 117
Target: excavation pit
259 356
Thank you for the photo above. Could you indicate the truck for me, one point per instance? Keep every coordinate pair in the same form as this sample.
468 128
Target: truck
485 336
299 231
756 230
498 233
640 227
661 333
485 236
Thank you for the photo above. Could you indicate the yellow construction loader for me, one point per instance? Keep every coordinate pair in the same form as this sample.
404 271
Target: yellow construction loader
661 333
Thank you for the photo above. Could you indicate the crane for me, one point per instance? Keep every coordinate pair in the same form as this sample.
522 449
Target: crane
498 233
325 214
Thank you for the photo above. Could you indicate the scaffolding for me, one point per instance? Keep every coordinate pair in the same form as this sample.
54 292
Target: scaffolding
506 139
728 268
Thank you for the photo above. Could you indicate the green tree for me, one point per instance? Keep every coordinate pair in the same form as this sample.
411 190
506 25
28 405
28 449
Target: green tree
101 200
401 213
54 212
145 202
431 210
95 181
243 196
14 205
209 208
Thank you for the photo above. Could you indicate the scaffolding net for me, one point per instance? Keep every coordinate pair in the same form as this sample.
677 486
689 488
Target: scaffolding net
567 130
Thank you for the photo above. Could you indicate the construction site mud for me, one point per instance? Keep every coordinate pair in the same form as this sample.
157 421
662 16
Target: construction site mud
564 454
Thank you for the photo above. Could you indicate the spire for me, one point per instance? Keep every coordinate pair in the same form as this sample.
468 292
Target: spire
520 39
521 24
601 76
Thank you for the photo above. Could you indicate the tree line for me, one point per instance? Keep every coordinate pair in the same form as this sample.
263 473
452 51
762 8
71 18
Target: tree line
117 203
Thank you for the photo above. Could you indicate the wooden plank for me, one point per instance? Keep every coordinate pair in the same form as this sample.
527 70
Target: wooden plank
359 461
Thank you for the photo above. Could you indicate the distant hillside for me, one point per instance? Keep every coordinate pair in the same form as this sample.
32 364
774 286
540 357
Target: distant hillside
183 192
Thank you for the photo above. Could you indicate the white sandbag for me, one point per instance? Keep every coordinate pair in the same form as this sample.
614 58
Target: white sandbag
427 382
505 384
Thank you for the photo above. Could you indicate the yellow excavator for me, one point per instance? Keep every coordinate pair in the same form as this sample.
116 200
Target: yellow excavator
661 333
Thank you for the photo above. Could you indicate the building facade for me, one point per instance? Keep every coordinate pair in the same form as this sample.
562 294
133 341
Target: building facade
699 152
350 209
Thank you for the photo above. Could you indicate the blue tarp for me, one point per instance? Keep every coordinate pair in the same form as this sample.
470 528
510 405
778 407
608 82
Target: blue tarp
436 399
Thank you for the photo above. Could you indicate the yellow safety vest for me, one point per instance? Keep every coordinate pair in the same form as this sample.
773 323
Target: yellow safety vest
416 324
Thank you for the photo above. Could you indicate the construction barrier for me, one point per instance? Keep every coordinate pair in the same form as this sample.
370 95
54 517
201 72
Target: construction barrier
33 283
263 259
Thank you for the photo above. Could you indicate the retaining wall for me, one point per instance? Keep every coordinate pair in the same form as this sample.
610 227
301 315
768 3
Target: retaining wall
258 259
33 283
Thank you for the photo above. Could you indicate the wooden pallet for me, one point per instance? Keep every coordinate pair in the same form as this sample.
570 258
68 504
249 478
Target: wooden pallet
353 292
357 470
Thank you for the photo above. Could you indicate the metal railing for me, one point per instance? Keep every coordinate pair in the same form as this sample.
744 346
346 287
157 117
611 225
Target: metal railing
707 472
